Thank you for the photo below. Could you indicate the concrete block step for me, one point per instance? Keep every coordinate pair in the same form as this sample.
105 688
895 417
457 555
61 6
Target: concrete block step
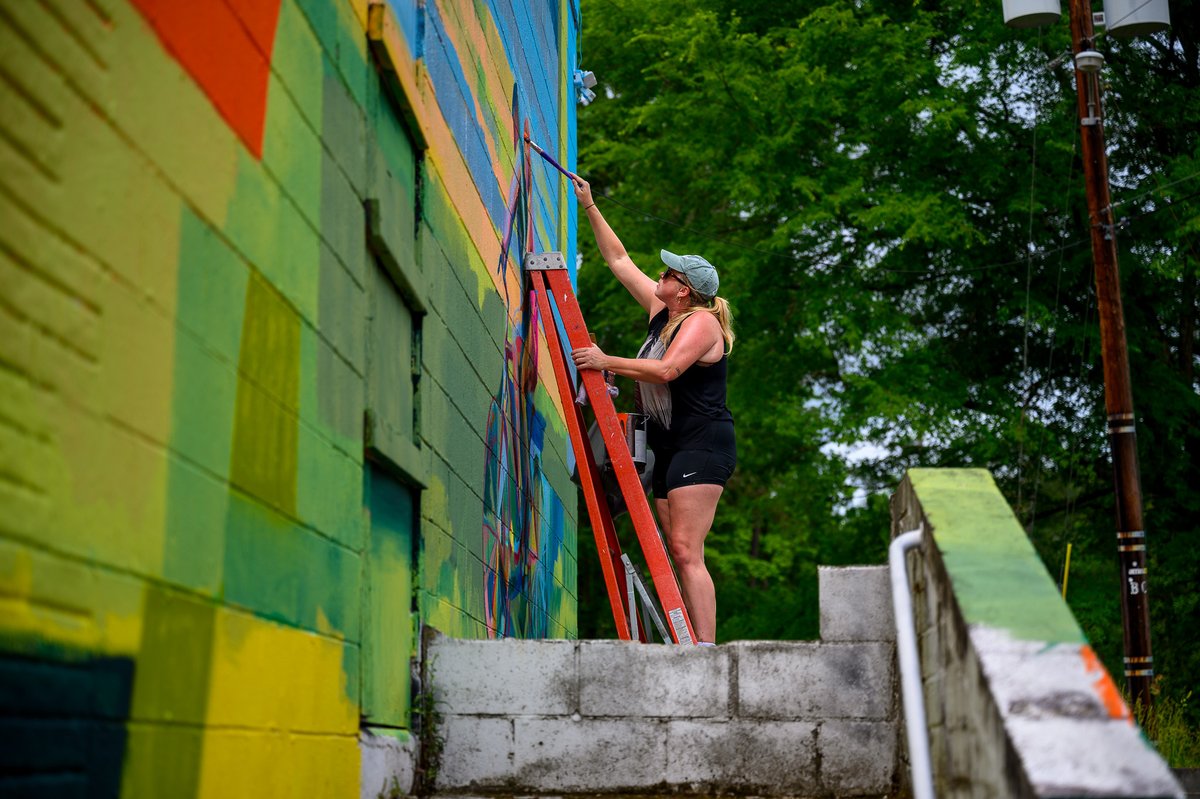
855 603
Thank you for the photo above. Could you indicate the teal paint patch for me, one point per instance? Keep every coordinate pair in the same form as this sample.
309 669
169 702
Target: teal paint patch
211 296
197 505
330 481
439 559
212 282
288 573
340 34
998 578
388 642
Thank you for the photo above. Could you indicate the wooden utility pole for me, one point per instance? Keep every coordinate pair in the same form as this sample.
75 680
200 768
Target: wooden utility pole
1118 395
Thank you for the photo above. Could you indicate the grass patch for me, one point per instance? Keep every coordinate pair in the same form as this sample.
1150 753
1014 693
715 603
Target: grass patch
1168 728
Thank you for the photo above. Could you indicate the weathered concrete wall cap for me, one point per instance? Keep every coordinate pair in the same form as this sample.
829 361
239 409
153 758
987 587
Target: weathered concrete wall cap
1055 698
1018 704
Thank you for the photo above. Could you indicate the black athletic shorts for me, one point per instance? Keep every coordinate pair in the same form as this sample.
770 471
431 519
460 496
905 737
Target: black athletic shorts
707 459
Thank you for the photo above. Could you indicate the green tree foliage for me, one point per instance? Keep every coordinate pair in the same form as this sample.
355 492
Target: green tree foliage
893 194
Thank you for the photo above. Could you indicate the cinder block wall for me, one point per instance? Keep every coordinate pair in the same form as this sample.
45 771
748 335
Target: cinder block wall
1018 704
770 718
270 393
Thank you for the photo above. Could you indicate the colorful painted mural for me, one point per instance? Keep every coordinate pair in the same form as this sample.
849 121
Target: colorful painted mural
272 392
522 516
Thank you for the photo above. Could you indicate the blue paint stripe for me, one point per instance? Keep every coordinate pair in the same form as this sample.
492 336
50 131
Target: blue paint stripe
530 45
408 16
572 159
530 38
527 53
459 108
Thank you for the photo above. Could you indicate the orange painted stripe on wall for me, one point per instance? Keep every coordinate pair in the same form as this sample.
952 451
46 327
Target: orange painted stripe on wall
1103 685
228 54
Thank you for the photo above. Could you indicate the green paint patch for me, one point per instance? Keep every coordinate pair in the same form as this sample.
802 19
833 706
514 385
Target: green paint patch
269 229
397 152
403 736
330 490
447 232
288 573
997 576
162 760
175 657
171 686
196 508
211 296
265 427
351 673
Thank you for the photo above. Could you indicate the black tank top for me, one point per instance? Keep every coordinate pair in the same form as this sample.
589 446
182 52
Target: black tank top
697 395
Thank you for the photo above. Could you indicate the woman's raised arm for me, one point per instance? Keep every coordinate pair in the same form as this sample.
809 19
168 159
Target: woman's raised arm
639 285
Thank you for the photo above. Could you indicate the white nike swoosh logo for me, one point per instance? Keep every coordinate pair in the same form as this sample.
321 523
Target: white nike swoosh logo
689 474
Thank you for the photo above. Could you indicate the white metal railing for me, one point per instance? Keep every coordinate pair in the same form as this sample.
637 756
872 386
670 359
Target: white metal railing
910 665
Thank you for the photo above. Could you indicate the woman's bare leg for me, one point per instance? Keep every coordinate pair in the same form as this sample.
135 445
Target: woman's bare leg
686 516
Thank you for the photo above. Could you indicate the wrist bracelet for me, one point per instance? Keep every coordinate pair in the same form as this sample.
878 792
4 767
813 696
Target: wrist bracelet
593 205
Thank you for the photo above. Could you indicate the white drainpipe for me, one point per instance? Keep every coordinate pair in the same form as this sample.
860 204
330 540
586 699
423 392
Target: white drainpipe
910 666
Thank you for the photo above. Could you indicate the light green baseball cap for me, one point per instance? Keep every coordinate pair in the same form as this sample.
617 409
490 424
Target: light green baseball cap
699 272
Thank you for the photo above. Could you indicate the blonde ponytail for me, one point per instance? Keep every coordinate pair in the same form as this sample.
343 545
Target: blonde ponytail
724 315
718 307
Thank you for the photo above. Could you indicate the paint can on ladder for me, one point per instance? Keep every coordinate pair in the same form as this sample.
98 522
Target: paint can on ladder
635 438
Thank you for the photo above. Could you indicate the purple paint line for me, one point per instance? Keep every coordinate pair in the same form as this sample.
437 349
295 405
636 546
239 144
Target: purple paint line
512 217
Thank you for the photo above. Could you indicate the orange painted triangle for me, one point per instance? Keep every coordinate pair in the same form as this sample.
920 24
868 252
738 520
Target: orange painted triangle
226 48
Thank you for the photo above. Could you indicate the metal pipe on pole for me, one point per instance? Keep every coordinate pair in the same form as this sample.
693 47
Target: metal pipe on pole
1118 394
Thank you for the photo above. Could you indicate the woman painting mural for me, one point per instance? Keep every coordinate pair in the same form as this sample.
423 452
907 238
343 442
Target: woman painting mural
681 373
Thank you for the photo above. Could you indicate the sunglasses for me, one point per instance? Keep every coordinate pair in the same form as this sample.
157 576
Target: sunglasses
667 273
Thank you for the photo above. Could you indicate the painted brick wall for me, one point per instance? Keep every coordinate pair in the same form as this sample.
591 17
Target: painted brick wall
271 394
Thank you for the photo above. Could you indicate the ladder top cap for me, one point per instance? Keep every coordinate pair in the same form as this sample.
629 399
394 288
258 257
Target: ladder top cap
542 261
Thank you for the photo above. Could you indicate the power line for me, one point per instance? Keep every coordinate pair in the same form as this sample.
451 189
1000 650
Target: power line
1028 293
1160 190
928 272
748 248
1037 478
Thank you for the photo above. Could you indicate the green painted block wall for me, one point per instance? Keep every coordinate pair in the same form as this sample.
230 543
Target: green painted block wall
998 579
253 436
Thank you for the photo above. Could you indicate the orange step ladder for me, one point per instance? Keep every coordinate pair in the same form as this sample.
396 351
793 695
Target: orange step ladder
550 282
